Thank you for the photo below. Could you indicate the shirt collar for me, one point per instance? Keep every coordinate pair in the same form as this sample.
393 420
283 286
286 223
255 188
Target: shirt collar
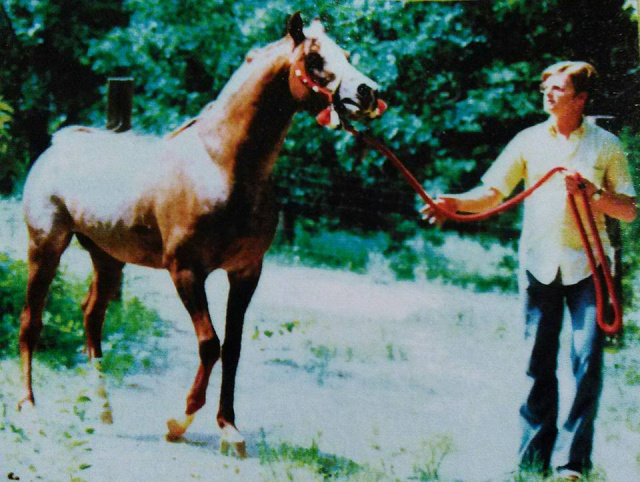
577 133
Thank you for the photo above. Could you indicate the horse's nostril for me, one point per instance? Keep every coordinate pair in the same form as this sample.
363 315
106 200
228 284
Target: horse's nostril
366 94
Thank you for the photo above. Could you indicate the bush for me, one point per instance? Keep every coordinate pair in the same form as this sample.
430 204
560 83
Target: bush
331 249
479 262
128 325
631 232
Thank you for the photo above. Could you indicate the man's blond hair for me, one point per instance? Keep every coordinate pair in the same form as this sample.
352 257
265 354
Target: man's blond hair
582 74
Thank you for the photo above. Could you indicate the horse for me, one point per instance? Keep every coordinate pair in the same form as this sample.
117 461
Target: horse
194 201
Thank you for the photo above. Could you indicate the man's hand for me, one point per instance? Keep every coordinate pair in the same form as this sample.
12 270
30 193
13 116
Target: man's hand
575 184
618 206
434 216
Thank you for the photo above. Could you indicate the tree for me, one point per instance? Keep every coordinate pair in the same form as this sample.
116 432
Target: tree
458 87
46 74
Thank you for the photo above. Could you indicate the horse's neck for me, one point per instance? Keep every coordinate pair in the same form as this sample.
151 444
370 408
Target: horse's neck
248 122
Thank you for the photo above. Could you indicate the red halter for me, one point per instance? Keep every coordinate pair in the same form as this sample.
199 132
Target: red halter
328 116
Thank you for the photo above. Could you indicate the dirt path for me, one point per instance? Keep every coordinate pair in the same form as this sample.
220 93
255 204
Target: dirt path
382 374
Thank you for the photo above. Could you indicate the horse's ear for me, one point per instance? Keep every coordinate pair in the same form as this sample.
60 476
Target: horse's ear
294 28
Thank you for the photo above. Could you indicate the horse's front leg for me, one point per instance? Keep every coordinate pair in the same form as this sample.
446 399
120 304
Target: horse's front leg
189 282
241 289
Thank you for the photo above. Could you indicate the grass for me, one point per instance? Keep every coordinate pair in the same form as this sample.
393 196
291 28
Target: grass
319 363
130 331
331 249
291 462
432 454
291 457
281 330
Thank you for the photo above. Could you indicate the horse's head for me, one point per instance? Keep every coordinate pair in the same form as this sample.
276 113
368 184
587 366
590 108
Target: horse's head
322 78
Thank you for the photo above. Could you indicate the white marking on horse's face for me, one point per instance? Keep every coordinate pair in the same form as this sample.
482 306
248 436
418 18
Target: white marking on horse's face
328 64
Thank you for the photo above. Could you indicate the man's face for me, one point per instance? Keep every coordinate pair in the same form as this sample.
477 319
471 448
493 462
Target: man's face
559 97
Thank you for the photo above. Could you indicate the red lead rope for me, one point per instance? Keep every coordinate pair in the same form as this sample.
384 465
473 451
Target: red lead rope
607 328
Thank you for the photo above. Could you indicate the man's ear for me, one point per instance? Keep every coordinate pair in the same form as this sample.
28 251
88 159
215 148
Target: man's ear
294 28
583 96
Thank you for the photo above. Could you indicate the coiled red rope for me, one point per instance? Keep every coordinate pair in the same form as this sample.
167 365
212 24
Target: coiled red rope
608 328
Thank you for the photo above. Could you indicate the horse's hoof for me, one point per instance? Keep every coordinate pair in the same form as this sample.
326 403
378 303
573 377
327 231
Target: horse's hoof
177 428
172 438
232 440
26 405
239 448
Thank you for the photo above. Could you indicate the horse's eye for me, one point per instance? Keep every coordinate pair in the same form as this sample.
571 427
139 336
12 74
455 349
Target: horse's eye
314 61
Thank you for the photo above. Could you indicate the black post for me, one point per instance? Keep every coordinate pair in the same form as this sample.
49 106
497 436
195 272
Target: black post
119 107
119 103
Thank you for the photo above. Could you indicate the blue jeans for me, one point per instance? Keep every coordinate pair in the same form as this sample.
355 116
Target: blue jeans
544 309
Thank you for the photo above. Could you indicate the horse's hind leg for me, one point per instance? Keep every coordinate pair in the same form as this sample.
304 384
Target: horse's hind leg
44 256
241 290
107 276
189 281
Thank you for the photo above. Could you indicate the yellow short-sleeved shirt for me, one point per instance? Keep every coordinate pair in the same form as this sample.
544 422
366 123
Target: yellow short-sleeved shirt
550 240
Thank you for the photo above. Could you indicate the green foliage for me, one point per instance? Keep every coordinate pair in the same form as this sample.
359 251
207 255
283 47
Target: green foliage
9 172
631 232
131 330
332 249
432 454
5 117
13 280
319 364
132 334
282 329
407 254
46 75
179 53
327 466
456 84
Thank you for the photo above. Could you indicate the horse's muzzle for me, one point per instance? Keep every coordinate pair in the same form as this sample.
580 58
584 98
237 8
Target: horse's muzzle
366 104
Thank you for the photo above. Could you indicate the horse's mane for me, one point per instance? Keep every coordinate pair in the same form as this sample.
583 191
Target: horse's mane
257 60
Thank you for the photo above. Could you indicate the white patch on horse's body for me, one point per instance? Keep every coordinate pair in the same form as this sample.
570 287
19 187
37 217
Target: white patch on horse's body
110 185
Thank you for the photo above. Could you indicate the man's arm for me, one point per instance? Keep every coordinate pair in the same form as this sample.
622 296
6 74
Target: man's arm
618 206
614 205
498 182
476 200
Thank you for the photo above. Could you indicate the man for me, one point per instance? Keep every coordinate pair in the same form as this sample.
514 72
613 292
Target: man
554 268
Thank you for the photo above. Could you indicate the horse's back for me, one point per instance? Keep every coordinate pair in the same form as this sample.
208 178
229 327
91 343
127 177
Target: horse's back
92 180
93 170
122 190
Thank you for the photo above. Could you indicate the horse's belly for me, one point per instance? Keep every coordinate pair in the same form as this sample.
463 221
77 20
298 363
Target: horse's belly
245 254
137 244
143 252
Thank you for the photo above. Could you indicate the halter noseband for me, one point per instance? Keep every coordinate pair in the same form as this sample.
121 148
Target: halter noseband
329 116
